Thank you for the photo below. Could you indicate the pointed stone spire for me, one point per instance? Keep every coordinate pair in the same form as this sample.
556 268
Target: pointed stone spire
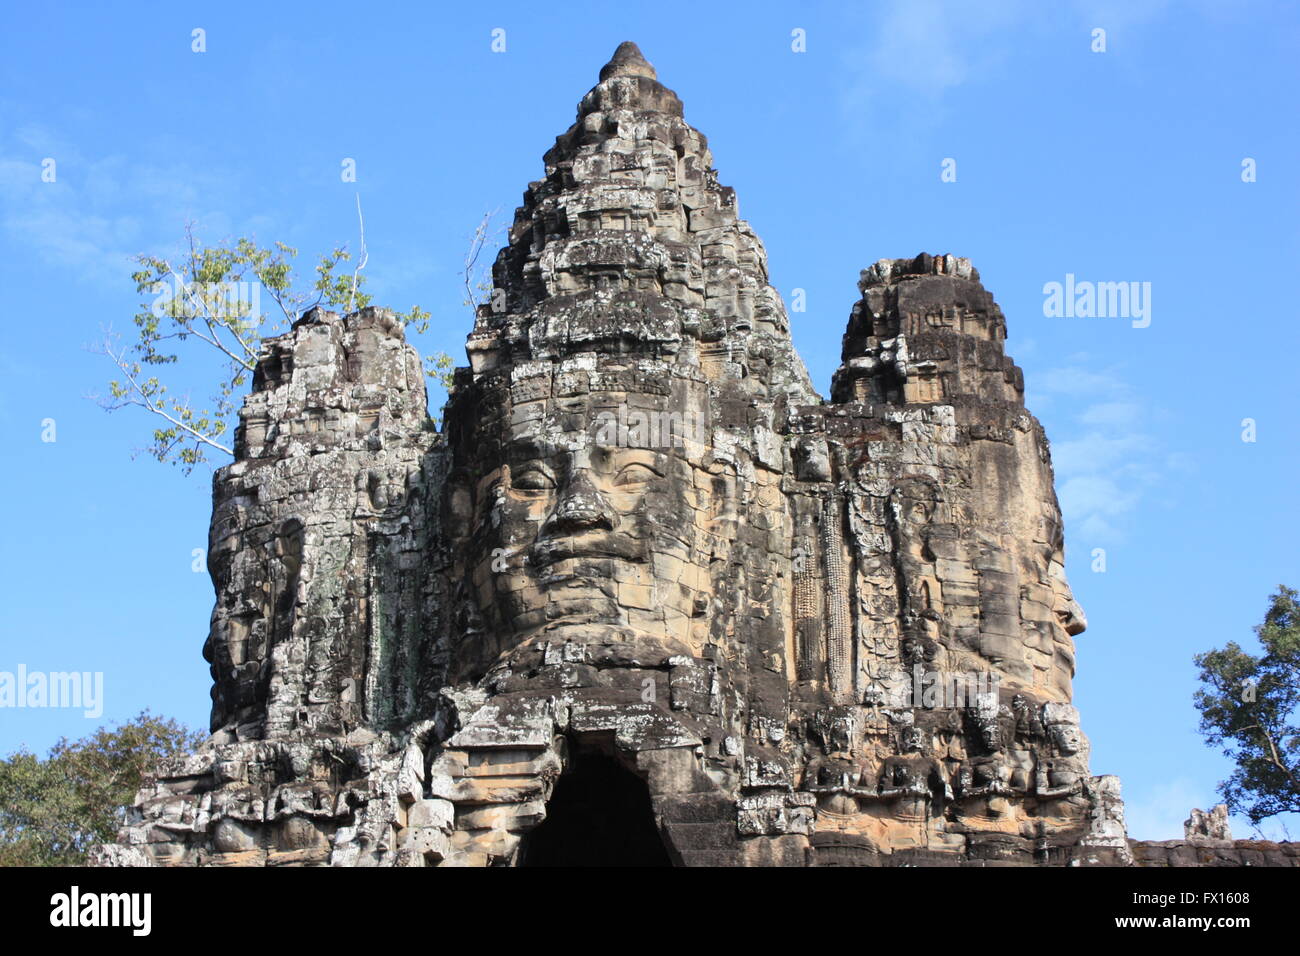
630 243
627 61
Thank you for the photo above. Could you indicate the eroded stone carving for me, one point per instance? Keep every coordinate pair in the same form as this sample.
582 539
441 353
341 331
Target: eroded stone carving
816 632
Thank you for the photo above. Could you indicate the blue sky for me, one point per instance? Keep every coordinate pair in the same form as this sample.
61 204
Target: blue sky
1123 165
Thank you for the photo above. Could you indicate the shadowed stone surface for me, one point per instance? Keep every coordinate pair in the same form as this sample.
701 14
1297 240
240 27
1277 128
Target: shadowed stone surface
645 568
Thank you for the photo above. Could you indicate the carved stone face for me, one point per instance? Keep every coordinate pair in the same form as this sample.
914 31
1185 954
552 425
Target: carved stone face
914 740
1067 737
915 503
1068 610
836 732
595 525
1070 621
1063 725
990 734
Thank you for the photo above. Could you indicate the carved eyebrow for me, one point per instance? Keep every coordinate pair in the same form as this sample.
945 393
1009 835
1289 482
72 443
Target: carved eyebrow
527 467
629 456
650 465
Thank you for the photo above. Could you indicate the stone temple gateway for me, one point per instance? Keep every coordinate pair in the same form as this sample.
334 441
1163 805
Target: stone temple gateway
647 598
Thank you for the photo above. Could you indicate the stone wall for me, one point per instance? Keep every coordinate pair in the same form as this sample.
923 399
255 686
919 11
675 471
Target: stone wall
644 551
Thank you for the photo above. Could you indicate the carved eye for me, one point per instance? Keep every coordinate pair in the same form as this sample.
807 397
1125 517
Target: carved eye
635 474
532 479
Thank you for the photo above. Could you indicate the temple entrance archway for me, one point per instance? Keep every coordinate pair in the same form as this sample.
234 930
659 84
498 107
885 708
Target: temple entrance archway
599 815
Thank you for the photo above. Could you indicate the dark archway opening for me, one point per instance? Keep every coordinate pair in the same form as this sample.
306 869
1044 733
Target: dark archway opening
599 815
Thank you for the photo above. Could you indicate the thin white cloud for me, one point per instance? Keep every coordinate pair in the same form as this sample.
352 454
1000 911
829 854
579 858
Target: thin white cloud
920 50
1106 447
1077 379
1114 15
1158 812
90 222
1096 506
1105 458
1112 415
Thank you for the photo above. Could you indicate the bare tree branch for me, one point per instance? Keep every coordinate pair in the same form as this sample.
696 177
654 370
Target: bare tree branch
469 275
362 258
143 400
1274 757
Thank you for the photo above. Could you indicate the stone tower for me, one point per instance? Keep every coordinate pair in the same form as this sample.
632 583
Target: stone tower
646 598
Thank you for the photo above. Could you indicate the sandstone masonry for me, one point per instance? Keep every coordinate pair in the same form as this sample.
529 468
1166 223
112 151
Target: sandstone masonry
646 597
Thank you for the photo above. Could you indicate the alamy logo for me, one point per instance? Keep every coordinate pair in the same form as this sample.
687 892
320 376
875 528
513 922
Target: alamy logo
23 688
635 428
221 300
75 908
931 689
934 689
1102 300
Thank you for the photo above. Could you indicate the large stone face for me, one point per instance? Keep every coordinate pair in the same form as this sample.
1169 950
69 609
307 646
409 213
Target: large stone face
646 593
315 549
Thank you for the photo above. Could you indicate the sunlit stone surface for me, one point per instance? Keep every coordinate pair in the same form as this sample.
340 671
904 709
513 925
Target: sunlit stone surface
647 597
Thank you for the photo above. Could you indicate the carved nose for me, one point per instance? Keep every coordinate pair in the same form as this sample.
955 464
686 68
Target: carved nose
1077 621
581 508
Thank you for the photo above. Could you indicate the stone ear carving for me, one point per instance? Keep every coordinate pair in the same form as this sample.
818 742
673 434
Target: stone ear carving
460 510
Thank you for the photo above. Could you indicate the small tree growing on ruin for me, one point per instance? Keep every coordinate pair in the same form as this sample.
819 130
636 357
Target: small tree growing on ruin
206 311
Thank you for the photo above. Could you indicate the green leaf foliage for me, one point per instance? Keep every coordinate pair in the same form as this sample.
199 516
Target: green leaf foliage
53 810
1249 707
209 305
